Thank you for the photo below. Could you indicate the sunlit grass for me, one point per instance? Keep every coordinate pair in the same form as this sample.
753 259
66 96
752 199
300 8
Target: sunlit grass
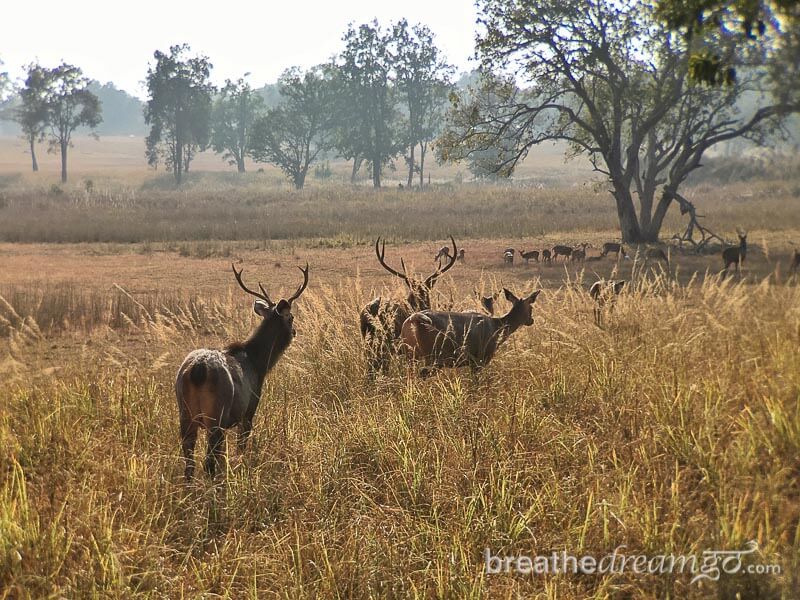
673 428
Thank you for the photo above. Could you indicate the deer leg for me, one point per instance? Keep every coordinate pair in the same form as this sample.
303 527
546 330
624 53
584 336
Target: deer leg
216 450
188 440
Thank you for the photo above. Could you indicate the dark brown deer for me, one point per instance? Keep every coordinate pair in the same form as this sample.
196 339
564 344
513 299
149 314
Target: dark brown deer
795 261
468 339
530 255
610 247
546 255
487 302
461 255
605 292
382 319
218 389
579 254
736 254
565 251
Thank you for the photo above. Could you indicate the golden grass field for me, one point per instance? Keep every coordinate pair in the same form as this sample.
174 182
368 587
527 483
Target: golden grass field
672 428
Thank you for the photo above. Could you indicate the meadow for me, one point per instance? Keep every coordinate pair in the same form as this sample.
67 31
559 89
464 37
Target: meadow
674 428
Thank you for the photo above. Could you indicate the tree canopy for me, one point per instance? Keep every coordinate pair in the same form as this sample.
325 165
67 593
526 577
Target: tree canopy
236 109
178 109
611 80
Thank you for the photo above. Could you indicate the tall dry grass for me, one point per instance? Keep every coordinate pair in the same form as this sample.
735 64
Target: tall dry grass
674 428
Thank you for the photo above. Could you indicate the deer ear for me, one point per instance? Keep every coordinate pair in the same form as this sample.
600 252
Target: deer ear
261 308
533 296
283 308
510 295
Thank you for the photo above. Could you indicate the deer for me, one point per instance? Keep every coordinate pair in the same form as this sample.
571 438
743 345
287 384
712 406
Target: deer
461 255
795 261
610 247
444 252
565 251
605 292
546 256
382 319
656 254
735 255
508 256
487 302
219 389
579 254
527 256
459 339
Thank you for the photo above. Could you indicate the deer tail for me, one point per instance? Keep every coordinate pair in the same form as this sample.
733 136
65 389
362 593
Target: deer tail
197 374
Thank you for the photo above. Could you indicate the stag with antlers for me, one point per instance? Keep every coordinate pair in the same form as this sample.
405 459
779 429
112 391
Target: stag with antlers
218 389
382 319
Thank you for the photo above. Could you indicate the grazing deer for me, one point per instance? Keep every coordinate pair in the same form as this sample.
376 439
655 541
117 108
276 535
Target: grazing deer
565 251
610 247
382 319
795 261
656 254
736 254
508 256
546 256
532 254
605 292
444 252
453 339
579 254
461 255
218 389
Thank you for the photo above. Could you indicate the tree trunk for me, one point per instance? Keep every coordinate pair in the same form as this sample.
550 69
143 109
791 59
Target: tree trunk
376 172
356 166
654 227
411 166
628 223
35 164
422 148
240 164
177 166
64 162
300 179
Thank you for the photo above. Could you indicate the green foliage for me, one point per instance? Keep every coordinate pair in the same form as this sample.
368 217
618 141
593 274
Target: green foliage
31 114
178 110
68 104
235 110
370 127
292 135
122 113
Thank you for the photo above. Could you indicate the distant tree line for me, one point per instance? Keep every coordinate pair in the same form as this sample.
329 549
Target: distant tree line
383 97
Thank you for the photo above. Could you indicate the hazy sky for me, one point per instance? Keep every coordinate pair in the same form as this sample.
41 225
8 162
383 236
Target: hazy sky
114 41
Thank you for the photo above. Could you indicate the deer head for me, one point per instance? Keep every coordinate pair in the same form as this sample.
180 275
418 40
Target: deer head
268 310
419 295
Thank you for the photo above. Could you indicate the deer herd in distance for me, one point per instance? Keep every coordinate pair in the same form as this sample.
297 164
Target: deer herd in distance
219 389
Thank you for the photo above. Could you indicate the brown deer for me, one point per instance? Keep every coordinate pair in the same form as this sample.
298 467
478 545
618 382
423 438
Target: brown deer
508 256
444 252
455 339
565 251
579 254
546 255
605 292
218 389
382 319
461 255
656 254
487 302
610 247
795 261
531 255
736 254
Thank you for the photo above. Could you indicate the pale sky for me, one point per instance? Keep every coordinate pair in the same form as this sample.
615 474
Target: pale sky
115 41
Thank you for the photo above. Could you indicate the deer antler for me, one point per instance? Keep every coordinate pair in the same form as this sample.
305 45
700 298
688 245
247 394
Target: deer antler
262 296
303 285
441 270
380 252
